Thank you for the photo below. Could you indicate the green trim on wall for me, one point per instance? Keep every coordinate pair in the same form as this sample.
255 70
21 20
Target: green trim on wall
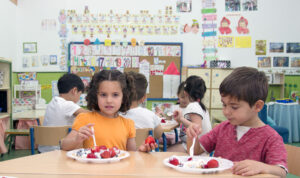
291 83
45 79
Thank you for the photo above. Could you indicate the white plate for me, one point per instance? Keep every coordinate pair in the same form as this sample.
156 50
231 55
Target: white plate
223 164
122 155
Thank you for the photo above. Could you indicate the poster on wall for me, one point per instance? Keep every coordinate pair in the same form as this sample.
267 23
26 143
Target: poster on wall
184 5
264 62
293 47
276 47
280 61
232 5
260 47
249 5
295 62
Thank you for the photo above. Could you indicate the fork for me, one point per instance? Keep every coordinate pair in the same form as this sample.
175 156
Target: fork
192 147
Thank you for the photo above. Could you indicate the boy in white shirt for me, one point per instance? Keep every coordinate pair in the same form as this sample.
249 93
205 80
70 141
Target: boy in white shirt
62 109
142 117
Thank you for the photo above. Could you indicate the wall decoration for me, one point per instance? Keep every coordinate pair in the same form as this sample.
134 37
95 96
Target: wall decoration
295 62
232 5
225 41
184 5
30 47
242 26
243 42
224 26
53 59
293 47
249 5
260 47
280 61
276 47
220 64
263 61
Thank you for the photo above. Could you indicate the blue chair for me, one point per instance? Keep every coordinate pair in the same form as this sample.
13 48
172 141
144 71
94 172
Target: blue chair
47 135
282 131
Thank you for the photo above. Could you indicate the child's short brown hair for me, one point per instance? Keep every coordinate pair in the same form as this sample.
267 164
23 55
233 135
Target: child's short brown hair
140 83
247 84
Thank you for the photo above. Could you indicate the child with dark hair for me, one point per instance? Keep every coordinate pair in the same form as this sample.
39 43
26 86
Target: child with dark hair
109 93
142 117
63 109
254 147
195 112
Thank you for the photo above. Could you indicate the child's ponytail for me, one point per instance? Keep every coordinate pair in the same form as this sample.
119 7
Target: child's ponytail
128 93
195 87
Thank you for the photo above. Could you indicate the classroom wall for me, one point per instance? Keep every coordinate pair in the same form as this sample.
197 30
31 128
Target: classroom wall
272 22
8 30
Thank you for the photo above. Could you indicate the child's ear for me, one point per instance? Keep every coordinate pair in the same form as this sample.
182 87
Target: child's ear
143 99
74 90
258 106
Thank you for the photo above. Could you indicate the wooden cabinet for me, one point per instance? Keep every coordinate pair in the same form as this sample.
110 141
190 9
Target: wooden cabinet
5 88
212 98
276 80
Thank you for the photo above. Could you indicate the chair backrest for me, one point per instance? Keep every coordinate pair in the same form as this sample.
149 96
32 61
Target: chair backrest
293 159
47 135
141 135
263 114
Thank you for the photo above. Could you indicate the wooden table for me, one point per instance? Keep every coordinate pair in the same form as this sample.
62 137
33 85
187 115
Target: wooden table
29 114
138 164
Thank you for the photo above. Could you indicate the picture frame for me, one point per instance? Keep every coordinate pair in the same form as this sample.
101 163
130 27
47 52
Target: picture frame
30 47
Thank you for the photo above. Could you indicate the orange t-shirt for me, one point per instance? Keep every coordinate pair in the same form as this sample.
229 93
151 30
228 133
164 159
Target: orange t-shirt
108 131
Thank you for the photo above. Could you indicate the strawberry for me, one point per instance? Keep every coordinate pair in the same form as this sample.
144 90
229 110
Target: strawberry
163 121
212 163
112 152
149 140
105 154
91 155
102 147
116 149
95 149
190 159
174 161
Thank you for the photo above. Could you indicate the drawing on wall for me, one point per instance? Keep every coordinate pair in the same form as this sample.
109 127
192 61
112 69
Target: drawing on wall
276 47
260 47
293 47
242 27
232 5
263 61
53 59
30 47
280 61
184 5
224 26
295 62
171 80
249 5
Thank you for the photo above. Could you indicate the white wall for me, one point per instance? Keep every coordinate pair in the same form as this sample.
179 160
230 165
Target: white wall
275 21
7 29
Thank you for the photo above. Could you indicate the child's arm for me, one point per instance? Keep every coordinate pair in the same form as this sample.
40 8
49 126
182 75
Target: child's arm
251 167
80 110
193 131
75 138
158 131
195 118
130 145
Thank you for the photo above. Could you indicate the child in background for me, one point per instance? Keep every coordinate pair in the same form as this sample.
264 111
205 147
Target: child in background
254 147
62 109
110 91
194 113
143 118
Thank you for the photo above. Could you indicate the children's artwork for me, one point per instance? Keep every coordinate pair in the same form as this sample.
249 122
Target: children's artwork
224 26
26 76
225 41
171 80
243 42
242 26
145 69
53 59
232 5
280 61
220 64
86 81
295 62
194 28
276 47
263 61
54 88
30 47
249 5
293 47
260 47
184 5
45 60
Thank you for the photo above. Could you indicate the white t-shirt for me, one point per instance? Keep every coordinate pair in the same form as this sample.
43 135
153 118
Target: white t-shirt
59 112
195 108
142 117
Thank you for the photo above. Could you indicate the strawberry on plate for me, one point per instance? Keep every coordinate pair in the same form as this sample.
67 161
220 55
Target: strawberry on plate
174 161
91 155
149 140
112 152
212 164
105 154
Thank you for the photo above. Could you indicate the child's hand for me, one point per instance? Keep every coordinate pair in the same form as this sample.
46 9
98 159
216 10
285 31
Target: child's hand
147 147
193 130
177 114
248 168
84 132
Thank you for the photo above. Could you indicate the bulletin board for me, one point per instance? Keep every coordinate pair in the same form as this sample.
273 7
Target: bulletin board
160 62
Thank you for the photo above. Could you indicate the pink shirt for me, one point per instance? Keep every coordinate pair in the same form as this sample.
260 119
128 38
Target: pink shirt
262 144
